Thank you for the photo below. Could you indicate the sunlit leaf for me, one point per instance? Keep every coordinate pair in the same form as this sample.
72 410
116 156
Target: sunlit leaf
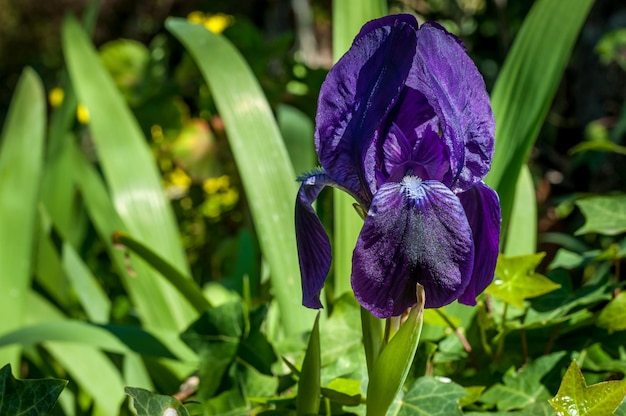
132 178
526 86
264 166
522 388
613 316
576 398
603 214
521 237
516 279
150 404
27 397
21 156
392 365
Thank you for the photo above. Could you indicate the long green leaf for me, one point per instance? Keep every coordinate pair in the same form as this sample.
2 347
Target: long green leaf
392 367
263 162
132 178
21 155
526 86
521 237
186 286
348 17
308 400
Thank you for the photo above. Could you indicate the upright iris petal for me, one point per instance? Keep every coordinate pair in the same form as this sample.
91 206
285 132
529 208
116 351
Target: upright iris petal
404 125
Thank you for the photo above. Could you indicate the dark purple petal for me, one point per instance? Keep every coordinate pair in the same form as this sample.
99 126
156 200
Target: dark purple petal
415 231
482 208
314 252
454 88
355 99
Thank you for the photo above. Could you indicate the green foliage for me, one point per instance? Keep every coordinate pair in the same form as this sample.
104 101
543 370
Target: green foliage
27 397
603 214
526 86
576 398
261 157
516 279
149 404
151 243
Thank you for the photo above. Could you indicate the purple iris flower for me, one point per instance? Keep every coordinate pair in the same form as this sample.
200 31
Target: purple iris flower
404 125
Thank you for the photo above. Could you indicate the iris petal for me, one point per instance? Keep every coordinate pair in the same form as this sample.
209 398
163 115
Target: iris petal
446 75
482 208
355 98
415 231
314 252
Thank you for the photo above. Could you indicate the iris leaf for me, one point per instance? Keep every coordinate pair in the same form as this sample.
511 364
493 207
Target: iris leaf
308 400
266 172
521 237
132 177
21 157
526 86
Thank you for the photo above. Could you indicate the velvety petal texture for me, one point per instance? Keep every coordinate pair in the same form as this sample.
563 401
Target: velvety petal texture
448 78
355 99
404 125
482 207
314 252
415 231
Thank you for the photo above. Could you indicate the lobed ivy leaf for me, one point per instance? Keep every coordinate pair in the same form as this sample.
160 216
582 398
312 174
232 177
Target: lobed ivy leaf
576 398
27 397
431 396
522 388
147 403
542 408
516 280
603 214
613 316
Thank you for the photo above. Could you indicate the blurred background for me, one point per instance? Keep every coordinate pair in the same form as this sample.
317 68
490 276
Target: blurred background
288 45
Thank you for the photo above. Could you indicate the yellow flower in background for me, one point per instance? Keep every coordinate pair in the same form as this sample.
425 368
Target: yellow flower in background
177 183
55 97
216 23
214 185
82 114
221 197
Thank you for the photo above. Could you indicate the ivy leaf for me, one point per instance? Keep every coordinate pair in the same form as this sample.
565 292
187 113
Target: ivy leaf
613 316
523 388
516 279
603 214
431 396
147 403
576 398
27 397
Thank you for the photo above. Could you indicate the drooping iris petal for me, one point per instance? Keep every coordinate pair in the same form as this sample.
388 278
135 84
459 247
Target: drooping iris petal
482 208
454 88
355 98
314 252
415 231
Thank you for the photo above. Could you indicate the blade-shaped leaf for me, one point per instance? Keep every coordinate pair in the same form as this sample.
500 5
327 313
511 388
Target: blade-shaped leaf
526 86
263 162
521 237
131 175
308 400
392 366
21 155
